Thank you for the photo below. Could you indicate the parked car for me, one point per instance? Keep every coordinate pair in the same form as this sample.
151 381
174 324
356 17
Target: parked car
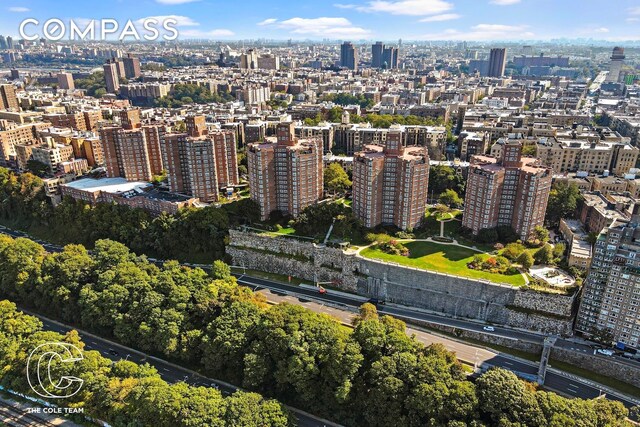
605 352
489 329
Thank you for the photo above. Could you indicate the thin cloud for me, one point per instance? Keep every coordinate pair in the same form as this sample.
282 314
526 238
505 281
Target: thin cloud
634 11
403 7
318 27
601 30
504 2
268 21
182 21
440 18
18 9
483 32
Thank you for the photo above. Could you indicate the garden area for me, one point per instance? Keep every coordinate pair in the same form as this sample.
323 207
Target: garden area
451 259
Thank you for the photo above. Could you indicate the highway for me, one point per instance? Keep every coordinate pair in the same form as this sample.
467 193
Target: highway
566 384
563 383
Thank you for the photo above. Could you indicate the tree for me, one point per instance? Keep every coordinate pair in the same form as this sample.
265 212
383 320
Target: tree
513 250
442 178
336 179
220 270
506 399
541 234
525 259
487 235
558 250
563 202
544 255
450 198
367 311
37 168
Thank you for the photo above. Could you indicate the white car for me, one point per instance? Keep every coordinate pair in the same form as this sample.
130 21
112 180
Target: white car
489 329
605 352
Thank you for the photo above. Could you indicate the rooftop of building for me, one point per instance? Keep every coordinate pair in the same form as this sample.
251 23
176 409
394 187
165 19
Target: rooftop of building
108 185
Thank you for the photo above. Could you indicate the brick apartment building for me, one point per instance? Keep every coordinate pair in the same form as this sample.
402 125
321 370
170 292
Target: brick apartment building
132 151
286 175
511 191
390 183
200 162
611 294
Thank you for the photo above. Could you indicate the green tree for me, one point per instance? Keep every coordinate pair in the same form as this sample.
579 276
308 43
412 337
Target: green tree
443 178
220 270
541 234
506 399
513 251
563 202
544 255
336 179
450 198
37 168
525 259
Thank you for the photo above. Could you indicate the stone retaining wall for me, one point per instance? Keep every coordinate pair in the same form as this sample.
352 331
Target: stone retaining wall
440 293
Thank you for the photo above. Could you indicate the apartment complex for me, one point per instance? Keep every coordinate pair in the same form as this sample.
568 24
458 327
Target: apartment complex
286 175
592 157
611 293
132 151
199 162
390 183
83 120
511 191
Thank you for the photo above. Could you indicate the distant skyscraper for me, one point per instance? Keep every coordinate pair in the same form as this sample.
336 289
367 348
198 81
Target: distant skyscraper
497 62
131 66
249 60
376 55
3 42
390 57
617 58
9 42
349 56
111 76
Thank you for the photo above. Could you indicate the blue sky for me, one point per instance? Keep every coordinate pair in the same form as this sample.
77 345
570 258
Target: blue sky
473 20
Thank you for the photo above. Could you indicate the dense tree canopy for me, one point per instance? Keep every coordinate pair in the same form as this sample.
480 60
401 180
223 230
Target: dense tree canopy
187 93
563 201
373 375
126 394
443 178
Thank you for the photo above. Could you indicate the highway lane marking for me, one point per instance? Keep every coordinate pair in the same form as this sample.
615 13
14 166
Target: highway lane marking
94 343
508 363
166 370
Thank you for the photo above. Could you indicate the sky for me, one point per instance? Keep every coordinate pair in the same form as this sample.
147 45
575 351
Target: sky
471 20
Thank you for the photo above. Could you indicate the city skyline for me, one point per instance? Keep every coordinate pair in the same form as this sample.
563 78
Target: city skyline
415 20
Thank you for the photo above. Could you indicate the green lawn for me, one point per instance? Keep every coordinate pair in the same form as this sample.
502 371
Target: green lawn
449 259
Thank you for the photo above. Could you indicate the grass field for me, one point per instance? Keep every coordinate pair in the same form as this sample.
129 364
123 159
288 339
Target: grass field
449 259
